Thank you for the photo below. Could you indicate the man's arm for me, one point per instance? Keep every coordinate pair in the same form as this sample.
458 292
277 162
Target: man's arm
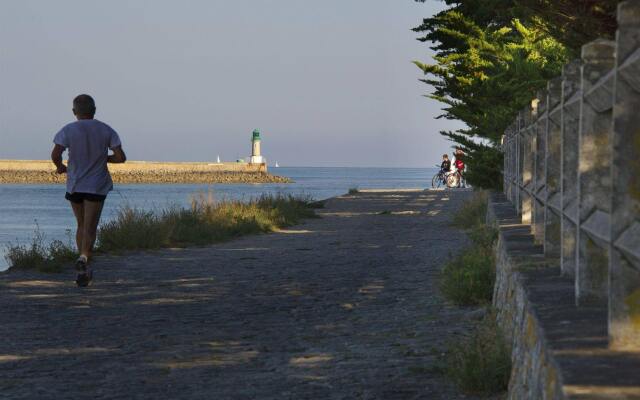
56 157
118 156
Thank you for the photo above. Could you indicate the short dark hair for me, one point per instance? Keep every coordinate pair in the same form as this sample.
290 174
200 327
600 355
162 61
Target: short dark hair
83 104
445 156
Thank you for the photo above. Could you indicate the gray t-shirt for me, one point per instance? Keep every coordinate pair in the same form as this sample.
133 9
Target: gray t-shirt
88 141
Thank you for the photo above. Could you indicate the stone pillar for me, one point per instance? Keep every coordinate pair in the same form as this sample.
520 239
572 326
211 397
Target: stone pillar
516 171
571 96
539 196
505 164
528 165
519 161
552 200
506 157
594 172
511 161
624 273
507 160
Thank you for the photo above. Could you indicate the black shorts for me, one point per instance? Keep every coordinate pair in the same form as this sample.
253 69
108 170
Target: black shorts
79 197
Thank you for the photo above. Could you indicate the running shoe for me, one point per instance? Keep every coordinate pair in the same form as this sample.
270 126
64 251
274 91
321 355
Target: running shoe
85 275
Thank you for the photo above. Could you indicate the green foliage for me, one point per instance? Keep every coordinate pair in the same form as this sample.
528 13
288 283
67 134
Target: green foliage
468 279
473 212
316 204
481 363
571 22
484 236
39 256
353 190
59 250
206 221
488 66
133 229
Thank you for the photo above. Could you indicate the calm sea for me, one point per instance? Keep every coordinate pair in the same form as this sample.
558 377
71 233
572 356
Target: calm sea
27 208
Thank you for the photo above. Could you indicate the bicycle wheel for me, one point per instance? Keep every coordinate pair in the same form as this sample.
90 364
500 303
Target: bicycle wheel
453 180
436 181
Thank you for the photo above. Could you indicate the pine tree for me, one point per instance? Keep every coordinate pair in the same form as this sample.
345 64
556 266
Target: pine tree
488 66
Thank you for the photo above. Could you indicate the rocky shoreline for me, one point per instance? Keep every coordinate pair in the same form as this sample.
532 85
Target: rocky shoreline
42 172
168 177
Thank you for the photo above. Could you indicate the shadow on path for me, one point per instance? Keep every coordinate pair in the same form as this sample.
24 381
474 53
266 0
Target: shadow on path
344 306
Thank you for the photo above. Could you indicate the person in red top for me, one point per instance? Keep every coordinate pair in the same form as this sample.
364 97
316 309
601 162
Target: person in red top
459 164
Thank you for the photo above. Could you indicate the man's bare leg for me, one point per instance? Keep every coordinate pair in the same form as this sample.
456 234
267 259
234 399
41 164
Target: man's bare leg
92 212
78 212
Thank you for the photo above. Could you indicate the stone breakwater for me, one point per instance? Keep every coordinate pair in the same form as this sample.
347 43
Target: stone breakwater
43 172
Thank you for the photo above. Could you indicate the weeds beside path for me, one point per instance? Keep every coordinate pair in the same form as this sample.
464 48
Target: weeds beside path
343 306
205 222
480 361
468 279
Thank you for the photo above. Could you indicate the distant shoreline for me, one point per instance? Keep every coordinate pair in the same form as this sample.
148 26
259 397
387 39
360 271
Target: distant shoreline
141 172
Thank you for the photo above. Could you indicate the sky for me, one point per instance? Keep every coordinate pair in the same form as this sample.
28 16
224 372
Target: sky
328 83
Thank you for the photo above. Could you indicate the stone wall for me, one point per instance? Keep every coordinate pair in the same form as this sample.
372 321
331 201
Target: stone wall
534 373
572 172
559 350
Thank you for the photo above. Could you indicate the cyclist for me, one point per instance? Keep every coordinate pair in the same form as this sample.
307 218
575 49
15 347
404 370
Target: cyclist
443 175
459 164
446 164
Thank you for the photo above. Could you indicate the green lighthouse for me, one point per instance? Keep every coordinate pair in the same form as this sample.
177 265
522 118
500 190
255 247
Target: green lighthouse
256 156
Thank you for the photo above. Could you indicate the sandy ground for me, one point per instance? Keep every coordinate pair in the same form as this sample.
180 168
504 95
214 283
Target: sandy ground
341 307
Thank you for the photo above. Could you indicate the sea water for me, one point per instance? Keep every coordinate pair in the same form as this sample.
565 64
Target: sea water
25 209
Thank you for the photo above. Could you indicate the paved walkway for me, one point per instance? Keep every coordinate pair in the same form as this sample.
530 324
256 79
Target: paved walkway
342 307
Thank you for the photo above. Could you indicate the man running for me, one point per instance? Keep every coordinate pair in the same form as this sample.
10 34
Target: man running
88 181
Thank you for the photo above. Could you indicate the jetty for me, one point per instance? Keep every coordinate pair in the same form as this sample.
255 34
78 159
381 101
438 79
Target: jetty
344 306
254 170
43 172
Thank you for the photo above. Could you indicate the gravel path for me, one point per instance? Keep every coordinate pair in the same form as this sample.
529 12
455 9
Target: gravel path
341 307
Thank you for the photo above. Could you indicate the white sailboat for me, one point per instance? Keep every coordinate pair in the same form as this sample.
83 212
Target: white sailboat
218 160
276 165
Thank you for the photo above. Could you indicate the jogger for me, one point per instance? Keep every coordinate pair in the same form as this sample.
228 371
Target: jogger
88 180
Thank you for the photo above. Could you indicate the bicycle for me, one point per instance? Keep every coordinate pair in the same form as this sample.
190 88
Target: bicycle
454 179
448 179
439 179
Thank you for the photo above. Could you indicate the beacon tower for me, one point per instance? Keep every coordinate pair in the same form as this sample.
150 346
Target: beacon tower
256 156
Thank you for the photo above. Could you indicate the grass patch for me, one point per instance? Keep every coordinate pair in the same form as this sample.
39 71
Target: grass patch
473 212
133 229
353 190
468 279
39 256
316 204
205 222
481 363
